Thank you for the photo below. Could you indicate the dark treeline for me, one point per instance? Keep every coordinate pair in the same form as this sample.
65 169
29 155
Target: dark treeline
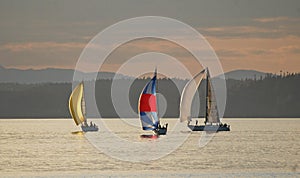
165 87
272 96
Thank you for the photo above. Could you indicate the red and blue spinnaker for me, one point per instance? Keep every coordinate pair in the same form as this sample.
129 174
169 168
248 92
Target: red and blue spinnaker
148 106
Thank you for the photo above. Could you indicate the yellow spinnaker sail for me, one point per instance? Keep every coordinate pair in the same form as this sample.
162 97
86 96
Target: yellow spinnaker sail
75 106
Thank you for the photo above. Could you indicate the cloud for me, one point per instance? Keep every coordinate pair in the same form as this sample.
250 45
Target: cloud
136 47
257 43
246 32
273 19
259 28
230 53
288 49
276 19
236 29
271 54
268 54
33 46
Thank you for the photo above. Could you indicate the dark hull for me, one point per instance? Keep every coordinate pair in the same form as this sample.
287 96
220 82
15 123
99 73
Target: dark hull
89 128
215 128
162 131
157 133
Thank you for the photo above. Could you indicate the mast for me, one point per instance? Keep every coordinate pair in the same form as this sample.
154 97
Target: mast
206 97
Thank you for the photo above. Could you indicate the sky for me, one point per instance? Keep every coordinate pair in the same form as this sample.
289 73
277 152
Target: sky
261 35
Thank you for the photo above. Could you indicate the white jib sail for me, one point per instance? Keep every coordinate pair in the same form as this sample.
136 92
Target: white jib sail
187 96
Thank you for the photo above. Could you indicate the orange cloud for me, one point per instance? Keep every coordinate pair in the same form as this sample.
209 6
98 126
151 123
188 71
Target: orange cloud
237 52
275 19
269 54
31 46
265 54
237 29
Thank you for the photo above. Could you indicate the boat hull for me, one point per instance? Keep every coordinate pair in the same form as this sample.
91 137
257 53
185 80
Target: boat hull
89 128
162 131
216 128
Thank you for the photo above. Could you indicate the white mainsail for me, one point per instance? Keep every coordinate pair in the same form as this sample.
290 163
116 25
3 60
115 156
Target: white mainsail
187 96
212 114
75 104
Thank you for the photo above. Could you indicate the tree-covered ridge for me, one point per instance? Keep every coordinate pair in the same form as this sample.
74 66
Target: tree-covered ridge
271 96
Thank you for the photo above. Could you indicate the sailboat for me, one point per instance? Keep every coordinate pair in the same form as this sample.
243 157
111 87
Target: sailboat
77 109
148 109
212 120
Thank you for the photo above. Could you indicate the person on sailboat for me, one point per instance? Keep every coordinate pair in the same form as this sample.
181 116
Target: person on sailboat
85 123
196 122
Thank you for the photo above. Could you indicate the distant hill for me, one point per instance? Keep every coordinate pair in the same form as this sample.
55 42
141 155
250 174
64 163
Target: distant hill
49 75
272 96
245 74
52 75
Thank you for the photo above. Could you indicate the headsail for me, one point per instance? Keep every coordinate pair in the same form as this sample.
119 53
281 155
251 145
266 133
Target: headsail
75 104
212 114
83 106
187 96
148 106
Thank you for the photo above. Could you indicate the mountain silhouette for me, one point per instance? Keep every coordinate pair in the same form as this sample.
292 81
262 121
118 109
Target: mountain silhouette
271 96
49 75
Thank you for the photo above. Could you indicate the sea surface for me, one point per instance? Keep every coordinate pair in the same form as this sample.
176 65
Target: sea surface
260 147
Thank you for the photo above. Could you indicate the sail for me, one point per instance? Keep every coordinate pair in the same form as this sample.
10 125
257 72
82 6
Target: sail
148 106
212 115
83 108
187 96
75 104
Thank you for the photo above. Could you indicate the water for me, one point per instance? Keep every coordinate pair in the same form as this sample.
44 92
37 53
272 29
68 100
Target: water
47 147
